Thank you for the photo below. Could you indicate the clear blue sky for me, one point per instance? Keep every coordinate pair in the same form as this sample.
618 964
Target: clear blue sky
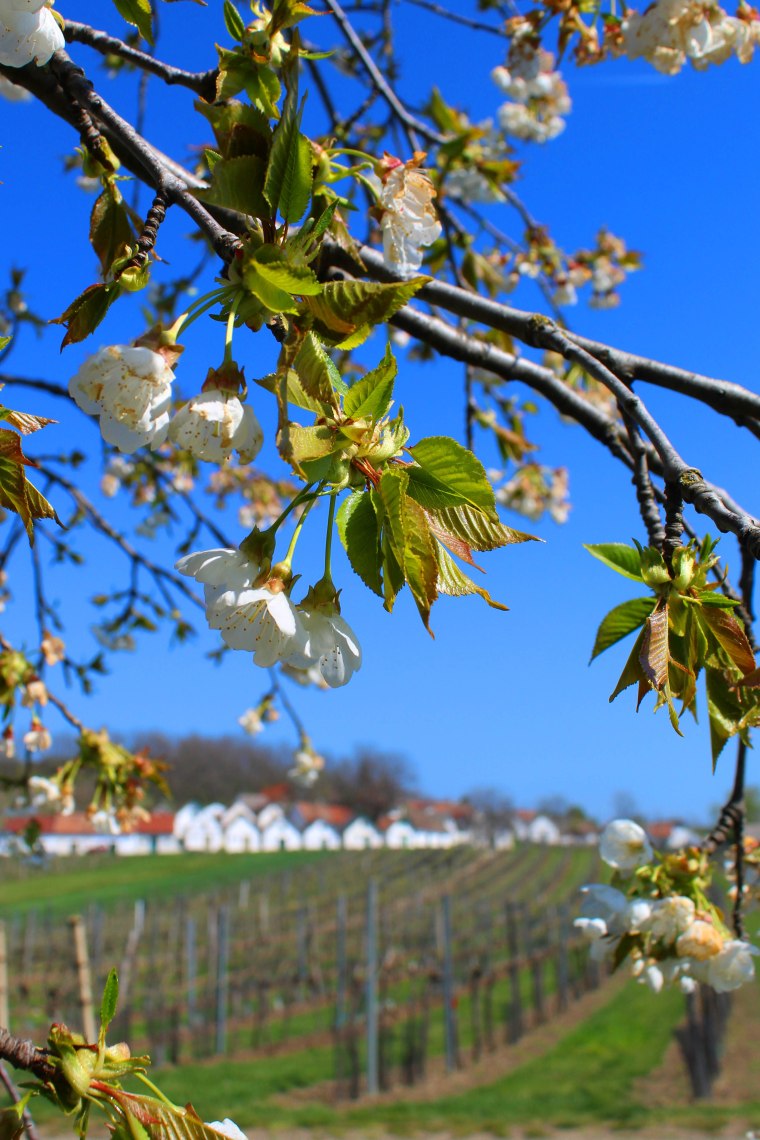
497 699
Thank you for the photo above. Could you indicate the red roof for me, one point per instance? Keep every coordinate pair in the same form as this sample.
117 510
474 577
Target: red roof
335 814
78 823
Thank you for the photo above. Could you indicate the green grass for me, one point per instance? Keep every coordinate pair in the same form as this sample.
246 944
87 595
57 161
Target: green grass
108 880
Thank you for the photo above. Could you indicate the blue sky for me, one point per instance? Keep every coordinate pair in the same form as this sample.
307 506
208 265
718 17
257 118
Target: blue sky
506 700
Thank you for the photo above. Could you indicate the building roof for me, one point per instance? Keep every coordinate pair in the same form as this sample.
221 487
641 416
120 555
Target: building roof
78 823
337 815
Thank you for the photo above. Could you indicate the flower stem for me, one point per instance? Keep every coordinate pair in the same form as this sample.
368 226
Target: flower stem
297 532
328 540
231 327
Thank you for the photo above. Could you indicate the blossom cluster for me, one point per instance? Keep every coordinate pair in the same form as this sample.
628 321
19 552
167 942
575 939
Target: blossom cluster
29 32
251 608
534 490
538 97
662 922
130 389
670 32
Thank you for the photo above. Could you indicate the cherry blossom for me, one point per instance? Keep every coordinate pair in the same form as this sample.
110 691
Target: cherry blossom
408 220
37 739
332 645
29 32
228 1128
214 424
733 966
130 390
624 845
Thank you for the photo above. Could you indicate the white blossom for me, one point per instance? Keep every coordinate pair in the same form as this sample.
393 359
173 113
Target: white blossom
624 845
214 424
308 765
733 966
37 739
408 218
43 791
312 675
260 619
700 941
29 33
12 92
228 1128
105 822
251 722
669 918
130 390
331 644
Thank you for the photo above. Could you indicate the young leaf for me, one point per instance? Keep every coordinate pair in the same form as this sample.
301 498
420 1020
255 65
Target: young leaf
289 176
110 1001
111 231
346 306
233 21
85 313
272 264
236 185
730 635
470 525
370 397
724 710
359 532
621 621
138 13
618 556
655 655
451 476
632 672
455 583
17 494
318 374
420 564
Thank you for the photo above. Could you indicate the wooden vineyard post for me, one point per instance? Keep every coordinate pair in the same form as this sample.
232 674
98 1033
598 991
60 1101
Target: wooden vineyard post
81 959
449 997
222 978
562 960
536 957
4 1010
371 990
341 980
514 1009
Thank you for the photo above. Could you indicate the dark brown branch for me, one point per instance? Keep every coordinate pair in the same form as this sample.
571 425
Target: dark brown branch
673 520
465 21
645 492
202 82
25 1055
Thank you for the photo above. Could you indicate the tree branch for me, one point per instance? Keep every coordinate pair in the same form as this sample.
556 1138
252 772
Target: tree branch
202 82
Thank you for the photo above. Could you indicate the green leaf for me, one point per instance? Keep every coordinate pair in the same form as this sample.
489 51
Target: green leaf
289 176
138 13
236 184
110 1000
455 583
111 232
359 532
275 299
233 21
730 635
296 392
318 373
347 306
420 563
263 88
450 475
470 525
625 559
273 265
723 709
17 494
86 312
621 621
311 442
370 397
239 128
388 499
632 672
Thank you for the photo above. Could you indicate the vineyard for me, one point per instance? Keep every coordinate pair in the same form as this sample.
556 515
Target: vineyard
373 962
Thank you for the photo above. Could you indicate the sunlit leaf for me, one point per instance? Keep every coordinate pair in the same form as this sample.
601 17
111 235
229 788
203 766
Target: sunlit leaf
621 621
625 559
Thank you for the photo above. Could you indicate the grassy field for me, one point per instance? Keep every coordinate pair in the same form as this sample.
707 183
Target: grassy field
68 885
